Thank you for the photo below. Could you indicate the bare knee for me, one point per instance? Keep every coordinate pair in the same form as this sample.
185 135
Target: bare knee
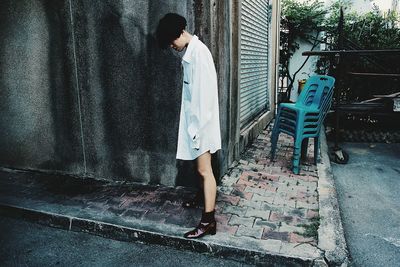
204 172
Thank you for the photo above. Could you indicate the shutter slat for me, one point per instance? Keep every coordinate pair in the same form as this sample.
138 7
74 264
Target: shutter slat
254 59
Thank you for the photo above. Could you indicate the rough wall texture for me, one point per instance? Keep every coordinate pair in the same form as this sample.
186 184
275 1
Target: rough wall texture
85 90
220 44
39 119
130 90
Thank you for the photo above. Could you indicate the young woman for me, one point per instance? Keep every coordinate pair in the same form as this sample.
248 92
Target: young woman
199 129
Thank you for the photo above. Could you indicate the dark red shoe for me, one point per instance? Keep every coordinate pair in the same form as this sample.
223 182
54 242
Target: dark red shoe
202 229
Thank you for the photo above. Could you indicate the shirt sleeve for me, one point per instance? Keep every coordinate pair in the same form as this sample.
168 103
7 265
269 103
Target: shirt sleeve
203 91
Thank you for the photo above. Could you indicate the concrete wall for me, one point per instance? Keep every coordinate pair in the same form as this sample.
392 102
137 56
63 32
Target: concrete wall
39 120
85 90
221 47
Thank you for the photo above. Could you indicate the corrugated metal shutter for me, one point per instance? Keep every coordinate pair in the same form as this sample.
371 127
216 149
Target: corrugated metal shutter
254 50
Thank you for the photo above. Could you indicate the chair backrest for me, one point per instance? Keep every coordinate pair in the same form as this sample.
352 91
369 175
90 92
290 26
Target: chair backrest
317 90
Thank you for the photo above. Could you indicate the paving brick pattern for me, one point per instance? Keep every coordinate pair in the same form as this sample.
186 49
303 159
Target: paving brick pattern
258 198
264 198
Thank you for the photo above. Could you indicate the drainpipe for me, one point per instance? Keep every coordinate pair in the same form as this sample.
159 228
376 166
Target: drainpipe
276 19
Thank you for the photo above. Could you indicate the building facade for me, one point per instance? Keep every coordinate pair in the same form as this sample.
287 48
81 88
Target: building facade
85 90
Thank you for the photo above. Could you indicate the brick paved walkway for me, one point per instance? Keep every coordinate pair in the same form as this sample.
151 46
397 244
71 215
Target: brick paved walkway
263 199
261 205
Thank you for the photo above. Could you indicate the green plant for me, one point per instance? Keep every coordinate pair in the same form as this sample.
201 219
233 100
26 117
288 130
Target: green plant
372 30
304 21
310 230
300 21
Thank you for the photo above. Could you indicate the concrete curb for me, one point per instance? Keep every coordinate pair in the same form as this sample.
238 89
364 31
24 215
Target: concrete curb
128 234
330 251
331 238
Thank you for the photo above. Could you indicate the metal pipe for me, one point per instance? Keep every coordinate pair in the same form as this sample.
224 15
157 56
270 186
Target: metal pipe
351 52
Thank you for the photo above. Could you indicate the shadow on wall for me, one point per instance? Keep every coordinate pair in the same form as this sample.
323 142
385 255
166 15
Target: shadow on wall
141 96
62 93
125 100
116 103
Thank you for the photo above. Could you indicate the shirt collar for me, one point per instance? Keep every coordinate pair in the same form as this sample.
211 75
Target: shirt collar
192 44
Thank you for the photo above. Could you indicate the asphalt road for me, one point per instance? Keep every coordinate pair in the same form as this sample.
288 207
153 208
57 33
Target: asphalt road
27 244
368 190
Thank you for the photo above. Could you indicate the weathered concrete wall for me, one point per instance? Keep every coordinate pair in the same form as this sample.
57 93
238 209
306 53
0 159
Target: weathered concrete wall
85 90
130 89
222 29
39 120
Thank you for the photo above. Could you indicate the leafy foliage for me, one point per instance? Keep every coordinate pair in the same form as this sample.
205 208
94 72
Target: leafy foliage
300 21
373 30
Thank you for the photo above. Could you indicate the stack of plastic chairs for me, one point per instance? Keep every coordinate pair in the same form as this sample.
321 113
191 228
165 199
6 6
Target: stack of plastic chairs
303 119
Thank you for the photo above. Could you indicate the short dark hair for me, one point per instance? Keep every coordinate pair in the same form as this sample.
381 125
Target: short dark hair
169 28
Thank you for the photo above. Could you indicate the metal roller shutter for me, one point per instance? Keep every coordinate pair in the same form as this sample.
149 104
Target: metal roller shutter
254 61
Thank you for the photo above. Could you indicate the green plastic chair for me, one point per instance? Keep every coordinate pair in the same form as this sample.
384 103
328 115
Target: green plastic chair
303 119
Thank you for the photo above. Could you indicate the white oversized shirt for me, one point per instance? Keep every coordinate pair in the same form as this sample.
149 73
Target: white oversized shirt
199 128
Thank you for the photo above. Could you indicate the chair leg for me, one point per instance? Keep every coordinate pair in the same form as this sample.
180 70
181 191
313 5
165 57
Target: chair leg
304 148
274 140
274 137
296 155
316 149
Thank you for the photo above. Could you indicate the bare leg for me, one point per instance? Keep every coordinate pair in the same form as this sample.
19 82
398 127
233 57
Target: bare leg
207 225
209 185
